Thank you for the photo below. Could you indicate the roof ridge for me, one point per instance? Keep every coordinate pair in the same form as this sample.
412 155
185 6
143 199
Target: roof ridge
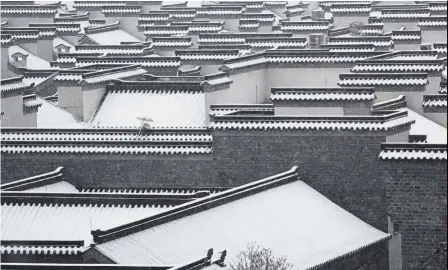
120 46
386 61
42 243
193 85
170 38
437 96
102 28
98 198
159 189
195 23
413 151
253 34
93 56
206 51
198 205
360 37
399 101
322 89
410 146
74 17
11 80
384 74
34 181
15 84
109 71
316 118
231 106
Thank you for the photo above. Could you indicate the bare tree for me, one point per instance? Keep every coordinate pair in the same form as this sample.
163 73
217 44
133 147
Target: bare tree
256 257
356 28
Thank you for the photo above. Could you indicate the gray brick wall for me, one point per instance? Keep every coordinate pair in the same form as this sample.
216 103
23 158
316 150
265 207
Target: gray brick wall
417 202
344 168
370 258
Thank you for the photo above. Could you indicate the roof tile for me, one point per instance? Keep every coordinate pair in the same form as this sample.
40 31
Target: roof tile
413 152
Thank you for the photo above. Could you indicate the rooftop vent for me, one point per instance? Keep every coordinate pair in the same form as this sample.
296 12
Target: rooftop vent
315 40
317 14
19 59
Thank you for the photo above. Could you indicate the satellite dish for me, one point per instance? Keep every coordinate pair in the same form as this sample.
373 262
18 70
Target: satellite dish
145 119
145 123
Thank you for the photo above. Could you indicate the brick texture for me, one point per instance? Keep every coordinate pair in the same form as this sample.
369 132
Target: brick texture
417 202
343 168
111 171
370 258
8 258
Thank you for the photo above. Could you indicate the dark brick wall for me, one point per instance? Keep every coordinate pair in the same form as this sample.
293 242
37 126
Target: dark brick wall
417 202
112 171
7 258
345 169
374 257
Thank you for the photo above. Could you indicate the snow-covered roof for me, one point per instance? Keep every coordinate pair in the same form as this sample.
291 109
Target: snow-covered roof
434 132
168 106
52 116
322 94
231 219
32 62
55 221
413 151
383 79
113 37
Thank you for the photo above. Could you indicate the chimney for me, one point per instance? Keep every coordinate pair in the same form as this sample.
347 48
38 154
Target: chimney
19 59
62 48
315 40
45 48
426 47
317 14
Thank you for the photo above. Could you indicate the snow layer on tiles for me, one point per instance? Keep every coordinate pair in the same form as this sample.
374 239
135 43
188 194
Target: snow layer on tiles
68 222
114 37
313 220
166 108
58 187
435 133
51 116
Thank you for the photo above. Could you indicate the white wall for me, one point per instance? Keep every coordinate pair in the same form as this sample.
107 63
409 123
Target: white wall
414 100
13 110
390 25
305 77
402 137
434 35
247 88
70 98
406 46
92 96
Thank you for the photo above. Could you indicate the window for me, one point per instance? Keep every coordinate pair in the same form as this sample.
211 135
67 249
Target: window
19 58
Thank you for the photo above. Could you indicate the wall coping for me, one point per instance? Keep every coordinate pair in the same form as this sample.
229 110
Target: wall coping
34 181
